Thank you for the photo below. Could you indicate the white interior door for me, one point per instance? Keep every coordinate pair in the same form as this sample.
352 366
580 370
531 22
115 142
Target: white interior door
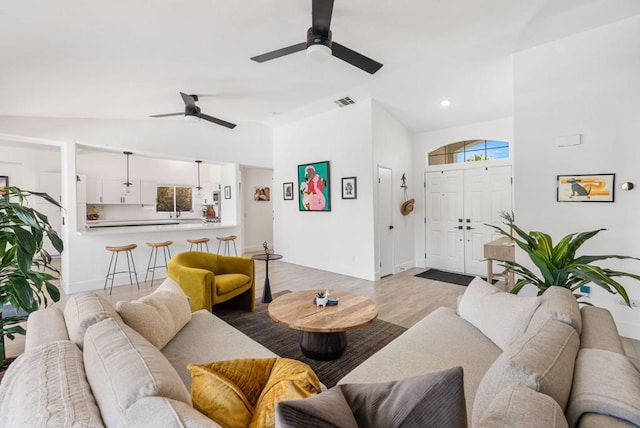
487 192
444 220
459 204
385 221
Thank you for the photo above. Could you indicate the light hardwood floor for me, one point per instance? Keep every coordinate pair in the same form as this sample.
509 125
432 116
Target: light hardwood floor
402 299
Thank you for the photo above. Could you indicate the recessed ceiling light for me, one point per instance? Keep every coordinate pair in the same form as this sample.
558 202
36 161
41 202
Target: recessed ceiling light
445 103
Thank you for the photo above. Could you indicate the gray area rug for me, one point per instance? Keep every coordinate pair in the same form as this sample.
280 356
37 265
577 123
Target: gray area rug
362 342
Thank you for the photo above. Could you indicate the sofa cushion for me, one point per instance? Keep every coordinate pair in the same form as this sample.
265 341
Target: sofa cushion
560 304
84 310
599 330
230 281
159 315
431 400
46 386
45 326
208 338
502 317
522 407
166 413
244 392
543 361
439 341
123 367
604 382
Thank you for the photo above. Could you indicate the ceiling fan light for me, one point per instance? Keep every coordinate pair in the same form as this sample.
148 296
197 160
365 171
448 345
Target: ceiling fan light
319 52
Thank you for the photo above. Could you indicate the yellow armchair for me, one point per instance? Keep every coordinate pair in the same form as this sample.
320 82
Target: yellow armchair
209 279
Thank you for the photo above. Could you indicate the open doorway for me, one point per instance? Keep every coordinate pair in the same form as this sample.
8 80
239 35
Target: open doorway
257 207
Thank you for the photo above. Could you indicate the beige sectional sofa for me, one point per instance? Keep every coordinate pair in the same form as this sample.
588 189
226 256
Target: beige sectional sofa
565 366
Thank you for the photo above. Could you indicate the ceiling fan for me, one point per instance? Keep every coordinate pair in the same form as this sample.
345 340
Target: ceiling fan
191 110
319 42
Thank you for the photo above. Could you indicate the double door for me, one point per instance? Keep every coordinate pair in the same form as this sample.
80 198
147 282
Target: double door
459 205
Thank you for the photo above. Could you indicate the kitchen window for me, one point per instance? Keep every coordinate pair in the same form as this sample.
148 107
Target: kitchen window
174 199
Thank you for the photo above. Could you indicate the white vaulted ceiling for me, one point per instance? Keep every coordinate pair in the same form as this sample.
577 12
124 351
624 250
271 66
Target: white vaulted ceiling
129 59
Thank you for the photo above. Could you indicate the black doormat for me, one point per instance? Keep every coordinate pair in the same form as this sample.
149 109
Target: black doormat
283 341
453 278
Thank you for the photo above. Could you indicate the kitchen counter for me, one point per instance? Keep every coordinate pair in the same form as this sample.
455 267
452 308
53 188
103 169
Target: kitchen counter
114 227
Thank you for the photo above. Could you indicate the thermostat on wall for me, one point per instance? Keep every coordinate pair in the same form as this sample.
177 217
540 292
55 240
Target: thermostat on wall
568 140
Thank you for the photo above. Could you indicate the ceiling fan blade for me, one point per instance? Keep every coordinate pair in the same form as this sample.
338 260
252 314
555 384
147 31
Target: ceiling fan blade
321 16
280 52
167 114
354 58
217 121
189 101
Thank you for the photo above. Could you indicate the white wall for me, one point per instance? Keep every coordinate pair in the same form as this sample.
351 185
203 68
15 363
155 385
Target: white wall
341 240
392 149
585 84
423 143
257 216
22 163
248 143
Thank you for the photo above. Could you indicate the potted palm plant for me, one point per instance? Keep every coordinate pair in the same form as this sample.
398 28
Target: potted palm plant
558 264
26 271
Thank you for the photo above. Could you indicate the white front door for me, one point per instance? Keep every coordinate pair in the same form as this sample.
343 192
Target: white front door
385 221
459 204
487 193
444 217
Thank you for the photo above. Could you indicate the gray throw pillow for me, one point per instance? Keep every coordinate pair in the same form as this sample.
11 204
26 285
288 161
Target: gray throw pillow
433 399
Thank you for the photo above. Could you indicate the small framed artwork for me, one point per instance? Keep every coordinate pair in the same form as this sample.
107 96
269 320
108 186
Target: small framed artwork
4 182
227 192
349 188
262 194
287 191
314 187
586 188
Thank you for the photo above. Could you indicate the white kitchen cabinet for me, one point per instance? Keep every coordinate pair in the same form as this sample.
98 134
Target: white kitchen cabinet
108 191
148 192
93 186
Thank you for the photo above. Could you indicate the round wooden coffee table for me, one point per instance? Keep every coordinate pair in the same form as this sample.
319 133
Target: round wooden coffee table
323 330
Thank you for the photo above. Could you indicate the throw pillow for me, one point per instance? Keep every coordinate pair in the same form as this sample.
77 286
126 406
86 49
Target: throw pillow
502 317
159 316
47 386
122 367
244 392
82 311
434 399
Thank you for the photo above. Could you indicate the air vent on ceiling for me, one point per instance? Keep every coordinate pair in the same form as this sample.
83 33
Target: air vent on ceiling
343 102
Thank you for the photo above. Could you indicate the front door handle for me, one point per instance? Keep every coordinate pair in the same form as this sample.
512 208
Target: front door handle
390 227
457 227
469 227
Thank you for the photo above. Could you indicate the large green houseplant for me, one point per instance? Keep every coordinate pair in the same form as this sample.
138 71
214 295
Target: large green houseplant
559 265
26 271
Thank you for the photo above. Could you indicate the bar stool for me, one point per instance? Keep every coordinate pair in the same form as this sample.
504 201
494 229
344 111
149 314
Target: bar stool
198 243
154 255
226 240
115 251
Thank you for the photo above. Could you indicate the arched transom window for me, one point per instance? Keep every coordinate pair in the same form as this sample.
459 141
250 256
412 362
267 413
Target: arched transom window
469 151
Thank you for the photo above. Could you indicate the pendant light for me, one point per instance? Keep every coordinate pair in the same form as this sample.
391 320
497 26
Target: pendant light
199 192
127 186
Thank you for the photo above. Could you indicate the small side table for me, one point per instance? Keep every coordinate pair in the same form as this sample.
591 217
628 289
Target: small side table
501 249
266 292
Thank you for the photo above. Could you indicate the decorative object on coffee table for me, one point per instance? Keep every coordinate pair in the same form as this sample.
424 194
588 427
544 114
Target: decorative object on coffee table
323 330
322 297
266 292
